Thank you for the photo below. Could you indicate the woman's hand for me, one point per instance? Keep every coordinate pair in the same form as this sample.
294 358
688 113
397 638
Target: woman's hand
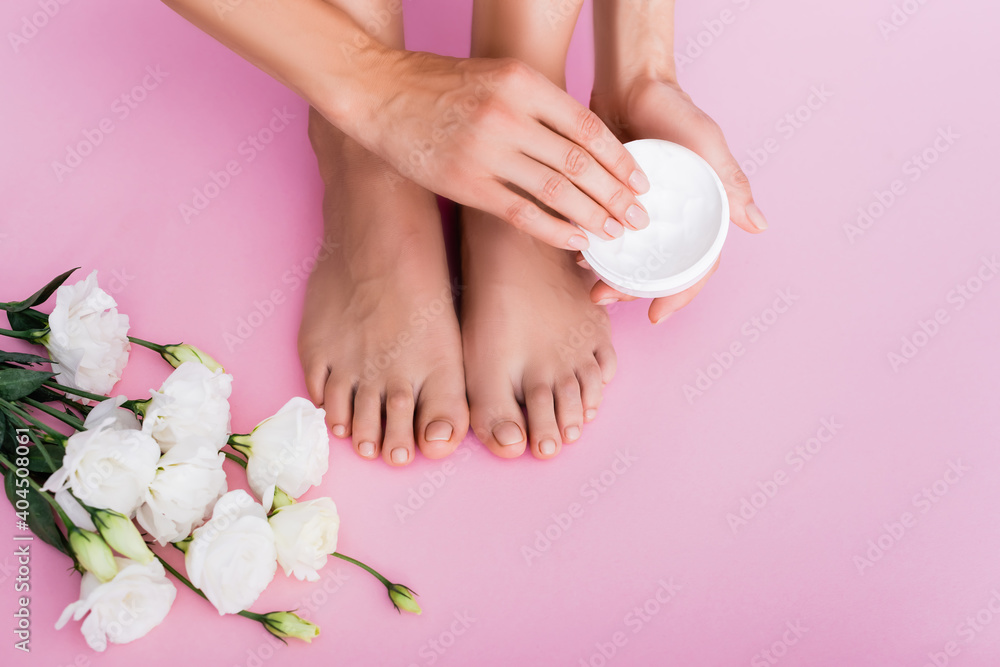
498 136
659 109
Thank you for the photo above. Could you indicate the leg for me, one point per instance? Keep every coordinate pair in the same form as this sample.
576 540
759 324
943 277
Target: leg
379 339
530 334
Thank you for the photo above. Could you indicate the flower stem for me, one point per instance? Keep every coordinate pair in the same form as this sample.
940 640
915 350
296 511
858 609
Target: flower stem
145 343
184 580
49 431
43 493
385 582
233 457
32 335
64 417
76 392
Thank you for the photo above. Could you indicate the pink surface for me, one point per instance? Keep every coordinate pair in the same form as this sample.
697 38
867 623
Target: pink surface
653 481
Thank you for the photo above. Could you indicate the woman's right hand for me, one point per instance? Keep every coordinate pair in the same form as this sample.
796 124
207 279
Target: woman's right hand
498 136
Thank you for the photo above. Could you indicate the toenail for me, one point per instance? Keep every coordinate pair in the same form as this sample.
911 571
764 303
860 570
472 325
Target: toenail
547 447
662 318
438 430
607 301
590 415
572 433
339 430
508 433
399 455
367 449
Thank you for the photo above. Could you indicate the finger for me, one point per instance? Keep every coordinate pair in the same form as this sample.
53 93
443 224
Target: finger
581 262
608 193
693 129
604 294
559 194
526 216
554 107
665 306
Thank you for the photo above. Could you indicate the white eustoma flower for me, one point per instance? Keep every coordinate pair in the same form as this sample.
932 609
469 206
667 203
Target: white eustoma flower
88 338
123 609
193 401
189 479
106 469
109 414
290 450
305 534
232 558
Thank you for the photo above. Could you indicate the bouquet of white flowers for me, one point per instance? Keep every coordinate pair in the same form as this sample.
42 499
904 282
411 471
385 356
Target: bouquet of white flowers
158 462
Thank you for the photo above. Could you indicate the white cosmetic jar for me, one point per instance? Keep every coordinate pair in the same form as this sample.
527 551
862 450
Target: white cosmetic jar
689 217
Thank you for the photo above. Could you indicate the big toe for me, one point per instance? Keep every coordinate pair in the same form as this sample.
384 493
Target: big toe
496 417
442 414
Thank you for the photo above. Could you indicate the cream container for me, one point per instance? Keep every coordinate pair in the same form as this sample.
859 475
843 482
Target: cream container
689 217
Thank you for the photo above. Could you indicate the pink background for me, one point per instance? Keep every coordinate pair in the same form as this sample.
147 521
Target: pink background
664 518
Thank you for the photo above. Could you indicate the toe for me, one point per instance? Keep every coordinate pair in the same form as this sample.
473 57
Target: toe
337 401
569 407
442 413
591 388
543 429
496 417
607 359
398 445
316 375
367 425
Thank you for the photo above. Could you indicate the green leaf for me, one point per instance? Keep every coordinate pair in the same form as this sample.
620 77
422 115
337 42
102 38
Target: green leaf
45 395
21 358
37 461
16 383
41 517
38 297
26 320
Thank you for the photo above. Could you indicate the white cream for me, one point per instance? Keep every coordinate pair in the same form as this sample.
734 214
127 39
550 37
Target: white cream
689 218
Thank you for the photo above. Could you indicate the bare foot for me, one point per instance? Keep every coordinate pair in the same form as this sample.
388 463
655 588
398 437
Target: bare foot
379 340
532 337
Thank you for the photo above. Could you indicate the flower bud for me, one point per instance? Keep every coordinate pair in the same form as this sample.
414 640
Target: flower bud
402 599
178 354
281 499
122 535
93 553
286 624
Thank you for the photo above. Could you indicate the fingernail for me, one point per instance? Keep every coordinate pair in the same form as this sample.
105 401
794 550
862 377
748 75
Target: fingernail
339 430
662 318
508 433
590 415
578 242
399 455
639 182
613 228
572 433
608 300
547 447
756 217
438 430
637 217
367 449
